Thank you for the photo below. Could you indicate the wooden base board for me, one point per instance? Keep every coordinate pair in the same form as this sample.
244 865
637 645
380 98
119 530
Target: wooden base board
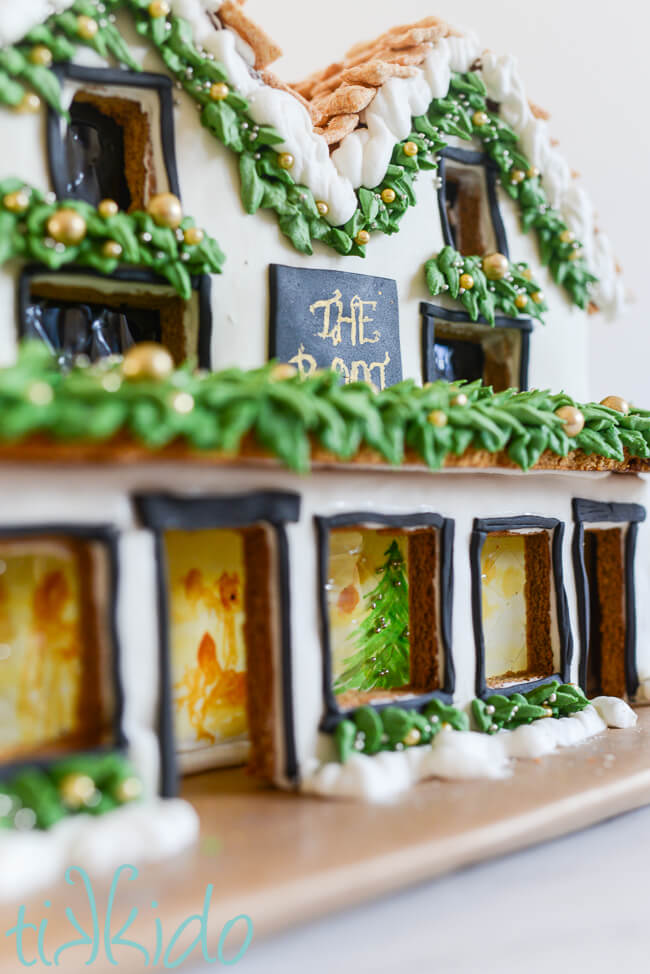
283 859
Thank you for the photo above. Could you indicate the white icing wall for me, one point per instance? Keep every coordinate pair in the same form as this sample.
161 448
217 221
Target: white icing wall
102 495
210 188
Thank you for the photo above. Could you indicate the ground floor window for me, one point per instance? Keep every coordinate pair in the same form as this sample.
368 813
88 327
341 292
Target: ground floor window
59 691
385 602
224 604
603 551
520 615
454 348
87 314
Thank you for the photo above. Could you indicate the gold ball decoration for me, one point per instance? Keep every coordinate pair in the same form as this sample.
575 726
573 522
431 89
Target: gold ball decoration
87 27
412 738
77 790
527 273
322 207
128 790
533 173
538 297
460 399
108 208
29 103
388 195
193 236
16 202
567 236
285 160
480 119
67 227
410 149
495 266
282 371
158 8
166 210
112 249
437 418
41 56
617 403
521 301
574 421
362 238
517 176
219 91
576 254
466 282
147 360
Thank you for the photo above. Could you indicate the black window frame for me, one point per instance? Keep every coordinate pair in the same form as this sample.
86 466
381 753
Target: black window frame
333 714
481 528
112 77
201 283
430 312
107 536
161 512
471 157
586 512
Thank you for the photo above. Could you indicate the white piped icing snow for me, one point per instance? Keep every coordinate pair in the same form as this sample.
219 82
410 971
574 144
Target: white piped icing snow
134 834
462 755
18 18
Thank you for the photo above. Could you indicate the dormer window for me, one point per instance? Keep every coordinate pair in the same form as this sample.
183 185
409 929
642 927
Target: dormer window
467 198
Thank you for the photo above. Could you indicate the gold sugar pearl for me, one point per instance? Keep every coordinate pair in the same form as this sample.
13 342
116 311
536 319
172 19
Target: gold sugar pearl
166 210
495 266
617 403
388 195
108 208
285 160
527 273
77 790
128 790
322 207
573 419
87 27
533 173
521 301
17 202
219 91
283 371
29 103
466 282
112 249
460 399
567 236
437 418
362 238
193 236
41 56
147 360
538 297
480 119
412 738
576 254
158 8
517 176
410 149
66 226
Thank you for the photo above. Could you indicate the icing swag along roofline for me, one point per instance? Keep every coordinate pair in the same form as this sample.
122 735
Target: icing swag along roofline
382 90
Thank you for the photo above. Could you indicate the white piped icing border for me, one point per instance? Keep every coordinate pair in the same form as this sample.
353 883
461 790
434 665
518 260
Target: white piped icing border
461 756
363 156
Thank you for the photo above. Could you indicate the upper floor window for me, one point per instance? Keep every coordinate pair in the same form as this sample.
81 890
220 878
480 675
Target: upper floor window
469 209
119 141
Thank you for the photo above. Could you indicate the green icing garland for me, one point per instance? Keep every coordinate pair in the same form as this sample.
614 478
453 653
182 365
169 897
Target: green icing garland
264 183
286 415
443 274
369 731
43 792
24 234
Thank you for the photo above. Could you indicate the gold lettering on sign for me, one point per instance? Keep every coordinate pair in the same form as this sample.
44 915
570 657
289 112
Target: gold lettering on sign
357 319
304 362
362 372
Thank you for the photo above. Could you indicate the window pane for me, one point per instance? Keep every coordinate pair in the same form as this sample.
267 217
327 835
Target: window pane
207 578
95 155
468 211
54 661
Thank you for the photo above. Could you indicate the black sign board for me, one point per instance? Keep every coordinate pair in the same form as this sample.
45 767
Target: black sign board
335 320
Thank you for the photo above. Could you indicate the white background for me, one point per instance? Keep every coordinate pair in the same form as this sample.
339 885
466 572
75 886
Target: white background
582 903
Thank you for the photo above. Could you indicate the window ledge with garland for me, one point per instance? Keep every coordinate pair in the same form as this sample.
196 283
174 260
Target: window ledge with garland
26 76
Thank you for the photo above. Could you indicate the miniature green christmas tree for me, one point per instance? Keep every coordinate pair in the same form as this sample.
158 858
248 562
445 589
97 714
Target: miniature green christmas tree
381 660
